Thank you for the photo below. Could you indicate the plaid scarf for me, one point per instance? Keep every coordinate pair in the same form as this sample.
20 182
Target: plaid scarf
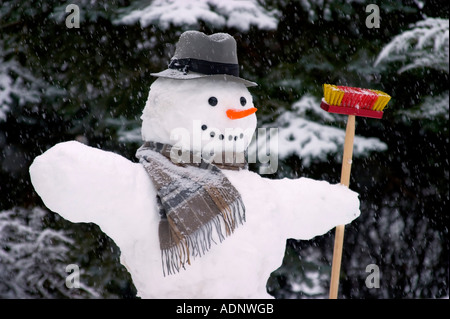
197 203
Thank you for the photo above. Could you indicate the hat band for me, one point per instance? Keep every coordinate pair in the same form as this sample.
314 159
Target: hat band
204 67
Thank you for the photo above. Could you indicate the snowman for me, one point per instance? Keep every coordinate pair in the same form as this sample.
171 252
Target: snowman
190 219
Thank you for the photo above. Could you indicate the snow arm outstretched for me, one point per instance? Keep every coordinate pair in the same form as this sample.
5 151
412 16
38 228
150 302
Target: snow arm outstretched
319 205
303 207
85 184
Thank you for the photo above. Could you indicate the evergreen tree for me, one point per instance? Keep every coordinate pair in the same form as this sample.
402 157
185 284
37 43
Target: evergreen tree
91 83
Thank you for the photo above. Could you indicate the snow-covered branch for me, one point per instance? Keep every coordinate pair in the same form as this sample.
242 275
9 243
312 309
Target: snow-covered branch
33 259
17 84
432 107
426 44
233 13
13 85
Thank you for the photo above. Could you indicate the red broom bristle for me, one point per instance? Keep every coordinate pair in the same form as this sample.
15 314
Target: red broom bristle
352 100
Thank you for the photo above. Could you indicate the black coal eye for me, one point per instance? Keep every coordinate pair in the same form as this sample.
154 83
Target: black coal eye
243 101
212 101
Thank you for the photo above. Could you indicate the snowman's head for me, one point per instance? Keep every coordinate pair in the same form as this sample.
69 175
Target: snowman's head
211 113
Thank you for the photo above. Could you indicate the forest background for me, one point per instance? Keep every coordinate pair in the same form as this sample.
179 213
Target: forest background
60 82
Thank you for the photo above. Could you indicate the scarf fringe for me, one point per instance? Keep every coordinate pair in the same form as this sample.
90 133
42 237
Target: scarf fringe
199 242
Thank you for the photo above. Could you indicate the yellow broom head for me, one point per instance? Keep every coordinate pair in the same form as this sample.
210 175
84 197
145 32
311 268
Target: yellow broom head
356 101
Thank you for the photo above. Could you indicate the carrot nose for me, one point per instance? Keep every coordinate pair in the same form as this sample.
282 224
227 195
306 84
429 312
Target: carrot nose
234 114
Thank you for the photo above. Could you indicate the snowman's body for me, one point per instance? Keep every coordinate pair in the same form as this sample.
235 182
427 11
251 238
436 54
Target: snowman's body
85 184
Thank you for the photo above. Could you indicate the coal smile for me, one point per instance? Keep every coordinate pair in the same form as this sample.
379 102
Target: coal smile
221 137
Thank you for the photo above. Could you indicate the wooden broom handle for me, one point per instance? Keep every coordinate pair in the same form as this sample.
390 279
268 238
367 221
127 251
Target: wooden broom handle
345 180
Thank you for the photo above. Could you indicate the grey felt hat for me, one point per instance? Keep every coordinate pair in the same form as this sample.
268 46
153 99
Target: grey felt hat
198 55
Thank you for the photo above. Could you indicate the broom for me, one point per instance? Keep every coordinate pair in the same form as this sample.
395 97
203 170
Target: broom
353 102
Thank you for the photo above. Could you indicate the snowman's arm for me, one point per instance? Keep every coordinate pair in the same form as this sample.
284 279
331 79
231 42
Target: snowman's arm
308 207
300 208
85 184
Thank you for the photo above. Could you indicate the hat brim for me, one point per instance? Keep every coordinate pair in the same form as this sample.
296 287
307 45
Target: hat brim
179 75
